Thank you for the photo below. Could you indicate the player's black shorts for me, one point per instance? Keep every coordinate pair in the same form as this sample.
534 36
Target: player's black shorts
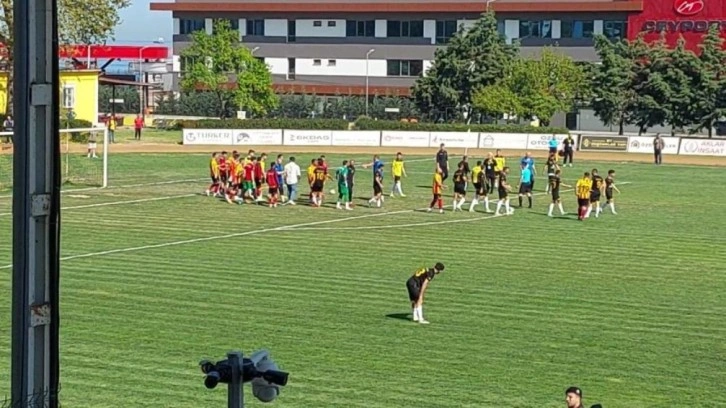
272 191
377 189
583 202
594 197
317 187
224 177
503 194
215 179
556 194
396 178
525 188
258 182
478 189
609 194
414 291
460 189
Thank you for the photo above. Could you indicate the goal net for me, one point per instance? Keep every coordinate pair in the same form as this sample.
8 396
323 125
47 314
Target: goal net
84 158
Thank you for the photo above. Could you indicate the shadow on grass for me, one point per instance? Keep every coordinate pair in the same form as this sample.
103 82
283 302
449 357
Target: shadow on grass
399 316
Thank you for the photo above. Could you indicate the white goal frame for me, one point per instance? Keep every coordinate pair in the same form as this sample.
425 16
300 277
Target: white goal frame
104 175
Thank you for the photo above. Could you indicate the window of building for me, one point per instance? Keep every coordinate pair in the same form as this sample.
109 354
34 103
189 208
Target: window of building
332 63
500 27
577 29
233 24
615 29
405 67
404 28
331 23
69 96
317 23
363 28
190 25
316 62
535 29
256 27
445 30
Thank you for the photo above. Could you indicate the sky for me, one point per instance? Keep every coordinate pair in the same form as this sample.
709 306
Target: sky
140 25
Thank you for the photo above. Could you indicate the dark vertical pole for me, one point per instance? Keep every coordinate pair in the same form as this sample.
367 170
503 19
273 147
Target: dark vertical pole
36 206
234 389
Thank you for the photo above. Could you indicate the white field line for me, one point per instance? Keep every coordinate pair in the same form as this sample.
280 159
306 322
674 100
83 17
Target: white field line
141 200
157 183
254 232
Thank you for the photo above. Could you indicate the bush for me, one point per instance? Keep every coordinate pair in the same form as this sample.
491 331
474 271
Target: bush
314 124
368 124
76 137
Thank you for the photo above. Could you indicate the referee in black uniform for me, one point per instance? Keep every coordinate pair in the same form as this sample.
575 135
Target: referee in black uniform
442 160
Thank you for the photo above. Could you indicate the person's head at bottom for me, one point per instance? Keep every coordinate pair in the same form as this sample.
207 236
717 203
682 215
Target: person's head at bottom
573 397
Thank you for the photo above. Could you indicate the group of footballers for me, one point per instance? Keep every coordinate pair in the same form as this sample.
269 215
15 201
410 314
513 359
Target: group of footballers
241 179
493 173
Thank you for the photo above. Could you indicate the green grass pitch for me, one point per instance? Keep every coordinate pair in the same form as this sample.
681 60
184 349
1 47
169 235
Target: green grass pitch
156 277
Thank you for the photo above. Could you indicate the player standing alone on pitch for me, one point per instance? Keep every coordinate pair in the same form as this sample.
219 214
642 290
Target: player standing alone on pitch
568 149
341 175
417 285
609 187
442 160
459 187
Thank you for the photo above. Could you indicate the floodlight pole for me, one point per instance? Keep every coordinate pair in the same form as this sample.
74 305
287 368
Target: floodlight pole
36 206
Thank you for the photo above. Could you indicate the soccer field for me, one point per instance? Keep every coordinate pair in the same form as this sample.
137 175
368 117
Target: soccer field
156 277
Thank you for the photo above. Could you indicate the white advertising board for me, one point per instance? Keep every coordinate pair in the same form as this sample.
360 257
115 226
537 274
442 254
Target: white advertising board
541 141
356 138
207 137
703 147
644 144
258 137
454 139
308 137
404 139
503 140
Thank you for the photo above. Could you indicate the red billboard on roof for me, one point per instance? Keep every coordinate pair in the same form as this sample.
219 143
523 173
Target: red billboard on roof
690 19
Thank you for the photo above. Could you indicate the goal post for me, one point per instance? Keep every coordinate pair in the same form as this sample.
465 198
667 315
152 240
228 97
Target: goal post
84 158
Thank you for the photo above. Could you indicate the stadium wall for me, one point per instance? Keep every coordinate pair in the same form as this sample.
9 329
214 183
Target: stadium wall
589 142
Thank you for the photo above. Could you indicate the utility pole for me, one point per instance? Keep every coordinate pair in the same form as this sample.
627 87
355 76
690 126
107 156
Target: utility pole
36 206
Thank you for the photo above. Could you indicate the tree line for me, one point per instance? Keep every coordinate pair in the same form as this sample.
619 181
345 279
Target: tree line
478 77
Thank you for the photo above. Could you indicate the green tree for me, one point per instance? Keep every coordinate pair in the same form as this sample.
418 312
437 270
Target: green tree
612 94
649 64
473 59
297 106
683 72
497 101
547 85
219 64
710 105
79 22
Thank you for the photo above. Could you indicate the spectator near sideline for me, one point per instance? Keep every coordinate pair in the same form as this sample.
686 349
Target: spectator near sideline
111 128
568 149
658 145
8 126
138 125
292 177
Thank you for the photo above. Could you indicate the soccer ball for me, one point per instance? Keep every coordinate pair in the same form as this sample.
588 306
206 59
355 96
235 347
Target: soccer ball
332 191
